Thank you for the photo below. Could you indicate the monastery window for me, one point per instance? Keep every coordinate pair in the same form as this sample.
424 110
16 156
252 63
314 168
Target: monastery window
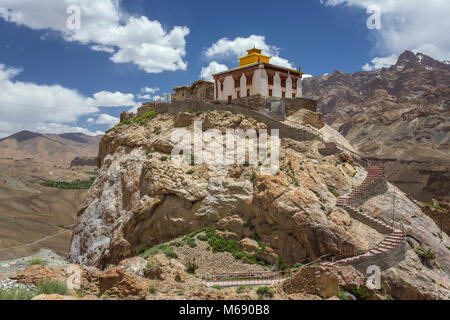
283 83
293 95
221 86
283 94
294 83
229 99
270 80
248 92
237 83
238 94
270 92
249 80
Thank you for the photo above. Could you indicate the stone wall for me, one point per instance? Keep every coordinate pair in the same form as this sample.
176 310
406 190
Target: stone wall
375 189
383 260
295 104
286 131
367 221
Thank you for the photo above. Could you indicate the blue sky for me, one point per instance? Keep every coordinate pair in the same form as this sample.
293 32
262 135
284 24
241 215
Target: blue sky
55 79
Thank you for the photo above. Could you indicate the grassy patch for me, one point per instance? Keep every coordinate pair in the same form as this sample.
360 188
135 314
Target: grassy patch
52 287
431 205
202 237
74 185
265 292
361 293
190 171
191 242
343 296
425 254
37 262
141 249
291 174
15 294
333 191
152 290
142 120
164 158
217 287
160 248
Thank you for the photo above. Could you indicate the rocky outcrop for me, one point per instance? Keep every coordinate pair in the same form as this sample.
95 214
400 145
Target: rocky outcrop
83 162
143 197
316 280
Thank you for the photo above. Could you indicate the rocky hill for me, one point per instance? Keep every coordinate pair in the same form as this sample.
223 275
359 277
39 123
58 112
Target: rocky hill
142 199
49 148
401 113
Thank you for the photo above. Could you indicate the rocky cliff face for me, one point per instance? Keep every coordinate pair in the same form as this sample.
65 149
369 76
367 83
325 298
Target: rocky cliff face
398 113
142 197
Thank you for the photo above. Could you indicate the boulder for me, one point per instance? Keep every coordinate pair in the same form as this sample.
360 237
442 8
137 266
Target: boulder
316 280
118 283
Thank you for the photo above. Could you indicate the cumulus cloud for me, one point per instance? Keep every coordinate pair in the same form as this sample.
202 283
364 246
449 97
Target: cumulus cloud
225 49
378 63
408 25
212 68
52 109
107 119
112 99
105 27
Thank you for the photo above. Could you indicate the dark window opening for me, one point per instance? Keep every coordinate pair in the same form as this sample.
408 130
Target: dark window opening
270 80
248 92
237 83
238 94
294 84
283 94
249 81
270 92
283 83
229 99
293 95
221 86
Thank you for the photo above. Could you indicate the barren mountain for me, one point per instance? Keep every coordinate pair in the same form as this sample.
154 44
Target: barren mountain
401 114
30 211
49 148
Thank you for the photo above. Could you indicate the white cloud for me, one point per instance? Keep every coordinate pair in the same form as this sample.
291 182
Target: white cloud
378 63
212 68
225 48
105 27
112 99
408 25
107 119
307 76
149 90
51 109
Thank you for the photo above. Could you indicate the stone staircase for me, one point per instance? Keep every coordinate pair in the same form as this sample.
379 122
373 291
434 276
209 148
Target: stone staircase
392 249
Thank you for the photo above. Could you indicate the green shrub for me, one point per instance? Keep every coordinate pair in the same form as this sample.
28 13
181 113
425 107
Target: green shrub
160 248
343 296
191 242
52 287
164 158
15 294
217 287
425 254
240 289
253 177
74 185
265 292
433 206
141 249
37 261
157 131
246 163
202 237
333 191
152 290
361 293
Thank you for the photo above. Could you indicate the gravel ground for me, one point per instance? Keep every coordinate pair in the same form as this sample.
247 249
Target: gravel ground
214 263
51 259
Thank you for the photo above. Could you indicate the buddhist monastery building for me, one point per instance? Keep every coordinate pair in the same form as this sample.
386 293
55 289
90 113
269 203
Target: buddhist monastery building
256 75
